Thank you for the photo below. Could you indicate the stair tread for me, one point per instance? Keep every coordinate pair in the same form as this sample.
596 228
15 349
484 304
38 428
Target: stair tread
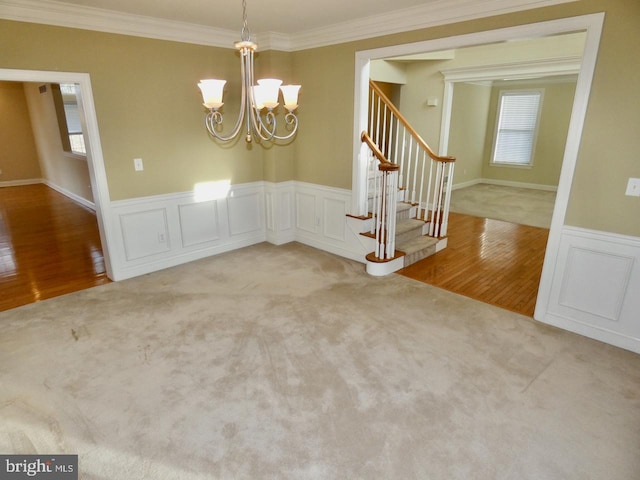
407 224
416 244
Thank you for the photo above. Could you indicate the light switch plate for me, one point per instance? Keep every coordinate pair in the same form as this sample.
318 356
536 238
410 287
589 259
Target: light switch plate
633 187
137 164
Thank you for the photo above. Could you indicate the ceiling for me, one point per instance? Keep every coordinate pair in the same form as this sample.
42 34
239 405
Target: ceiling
282 16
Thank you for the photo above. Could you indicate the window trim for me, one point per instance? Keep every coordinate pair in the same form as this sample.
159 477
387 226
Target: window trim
61 103
514 92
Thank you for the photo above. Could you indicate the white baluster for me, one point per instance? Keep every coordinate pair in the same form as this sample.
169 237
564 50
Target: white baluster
376 139
415 174
447 201
393 205
424 161
402 163
378 213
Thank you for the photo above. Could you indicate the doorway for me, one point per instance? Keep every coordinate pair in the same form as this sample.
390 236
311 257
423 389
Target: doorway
591 24
94 158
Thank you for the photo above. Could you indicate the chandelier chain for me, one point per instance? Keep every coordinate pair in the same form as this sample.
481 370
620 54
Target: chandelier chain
246 33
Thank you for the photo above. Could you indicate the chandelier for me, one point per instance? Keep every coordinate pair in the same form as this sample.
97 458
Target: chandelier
257 102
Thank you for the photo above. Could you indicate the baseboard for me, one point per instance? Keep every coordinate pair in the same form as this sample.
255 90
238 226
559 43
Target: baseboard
505 183
610 337
35 181
470 183
130 271
69 194
509 183
20 183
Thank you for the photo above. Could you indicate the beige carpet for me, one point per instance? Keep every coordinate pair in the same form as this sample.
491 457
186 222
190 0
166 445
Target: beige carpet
525 206
287 362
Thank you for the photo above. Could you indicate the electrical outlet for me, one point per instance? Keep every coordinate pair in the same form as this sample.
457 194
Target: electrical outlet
161 238
633 187
137 164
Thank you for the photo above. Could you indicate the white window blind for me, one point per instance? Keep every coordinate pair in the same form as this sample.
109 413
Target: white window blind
72 116
517 123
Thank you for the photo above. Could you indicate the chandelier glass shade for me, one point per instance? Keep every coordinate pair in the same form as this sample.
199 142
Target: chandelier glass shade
257 102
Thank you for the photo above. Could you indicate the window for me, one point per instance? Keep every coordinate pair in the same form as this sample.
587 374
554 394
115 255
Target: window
517 123
66 102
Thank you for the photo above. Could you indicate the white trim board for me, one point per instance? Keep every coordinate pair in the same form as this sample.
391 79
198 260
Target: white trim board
69 194
20 183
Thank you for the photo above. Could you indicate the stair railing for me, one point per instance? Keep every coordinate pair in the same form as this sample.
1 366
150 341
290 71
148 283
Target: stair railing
382 186
424 177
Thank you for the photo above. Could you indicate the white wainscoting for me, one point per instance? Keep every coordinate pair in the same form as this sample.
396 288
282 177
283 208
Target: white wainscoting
280 213
321 221
157 232
595 288
153 233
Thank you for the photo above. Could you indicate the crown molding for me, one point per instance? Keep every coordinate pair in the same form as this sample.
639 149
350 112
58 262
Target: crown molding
88 18
441 12
545 67
431 14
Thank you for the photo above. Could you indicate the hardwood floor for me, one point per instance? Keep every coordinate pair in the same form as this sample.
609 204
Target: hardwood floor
496 262
49 246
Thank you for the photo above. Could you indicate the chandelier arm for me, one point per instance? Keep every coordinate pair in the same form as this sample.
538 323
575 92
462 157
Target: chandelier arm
214 117
262 129
290 119
247 76
254 119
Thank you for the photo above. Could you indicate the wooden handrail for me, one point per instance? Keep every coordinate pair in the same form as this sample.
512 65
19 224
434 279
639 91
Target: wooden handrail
385 165
396 112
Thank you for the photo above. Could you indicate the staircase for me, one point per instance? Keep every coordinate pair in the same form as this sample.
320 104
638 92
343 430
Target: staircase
412 242
408 193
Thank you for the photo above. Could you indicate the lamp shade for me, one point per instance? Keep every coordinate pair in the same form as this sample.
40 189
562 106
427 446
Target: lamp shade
290 95
212 92
258 97
270 90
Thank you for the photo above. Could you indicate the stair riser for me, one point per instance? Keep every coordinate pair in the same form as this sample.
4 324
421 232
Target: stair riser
419 255
408 235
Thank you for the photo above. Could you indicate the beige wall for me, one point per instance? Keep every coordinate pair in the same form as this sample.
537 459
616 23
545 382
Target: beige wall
147 102
552 134
18 155
469 116
69 172
144 91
